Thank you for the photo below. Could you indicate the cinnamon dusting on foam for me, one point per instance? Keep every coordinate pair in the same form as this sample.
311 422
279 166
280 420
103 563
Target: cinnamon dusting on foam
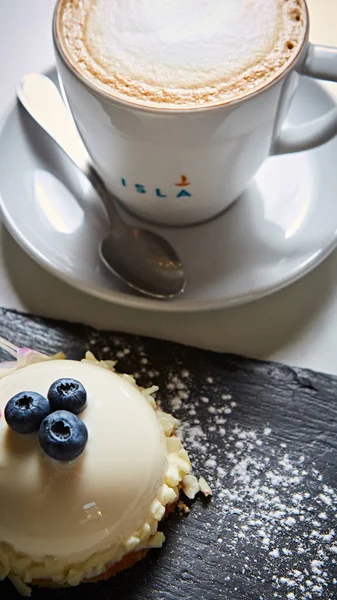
157 55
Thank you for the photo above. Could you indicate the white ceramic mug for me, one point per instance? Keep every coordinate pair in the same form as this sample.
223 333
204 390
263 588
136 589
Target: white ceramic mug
181 167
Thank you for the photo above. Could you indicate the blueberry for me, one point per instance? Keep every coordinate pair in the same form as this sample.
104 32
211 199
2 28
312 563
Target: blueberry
62 435
25 411
67 394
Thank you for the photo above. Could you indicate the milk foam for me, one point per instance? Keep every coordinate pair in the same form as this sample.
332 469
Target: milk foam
195 51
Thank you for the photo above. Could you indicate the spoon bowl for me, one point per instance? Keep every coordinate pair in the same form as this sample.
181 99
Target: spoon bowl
159 268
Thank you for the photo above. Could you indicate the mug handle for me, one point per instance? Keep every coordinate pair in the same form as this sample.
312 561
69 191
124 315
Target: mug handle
321 62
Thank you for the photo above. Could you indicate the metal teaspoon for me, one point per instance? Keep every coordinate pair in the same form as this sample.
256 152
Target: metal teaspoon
142 259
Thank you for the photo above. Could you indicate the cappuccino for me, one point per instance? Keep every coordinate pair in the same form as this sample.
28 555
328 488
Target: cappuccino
181 54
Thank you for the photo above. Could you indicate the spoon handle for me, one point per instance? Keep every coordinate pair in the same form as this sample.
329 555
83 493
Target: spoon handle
42 100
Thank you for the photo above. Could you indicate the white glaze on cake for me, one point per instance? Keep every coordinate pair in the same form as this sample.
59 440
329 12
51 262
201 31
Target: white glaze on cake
181 53
68 521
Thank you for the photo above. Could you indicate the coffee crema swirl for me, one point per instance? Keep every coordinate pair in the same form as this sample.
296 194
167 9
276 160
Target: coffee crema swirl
173 54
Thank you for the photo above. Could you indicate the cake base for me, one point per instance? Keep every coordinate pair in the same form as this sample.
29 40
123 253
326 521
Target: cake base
125 563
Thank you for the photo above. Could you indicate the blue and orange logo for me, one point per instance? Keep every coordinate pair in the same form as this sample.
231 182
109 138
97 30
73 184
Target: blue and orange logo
142 189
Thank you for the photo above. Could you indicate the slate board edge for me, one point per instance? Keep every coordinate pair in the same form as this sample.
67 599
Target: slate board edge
304 376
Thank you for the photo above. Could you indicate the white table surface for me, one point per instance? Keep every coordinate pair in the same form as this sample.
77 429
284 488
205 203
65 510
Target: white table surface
297 326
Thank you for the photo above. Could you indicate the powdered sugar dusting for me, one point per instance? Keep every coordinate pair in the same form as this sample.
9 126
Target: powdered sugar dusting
263 500
267 496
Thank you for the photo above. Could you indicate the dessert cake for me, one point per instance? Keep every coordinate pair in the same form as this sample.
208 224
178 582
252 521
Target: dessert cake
89 466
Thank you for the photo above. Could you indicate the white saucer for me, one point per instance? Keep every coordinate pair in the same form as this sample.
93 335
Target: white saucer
282 227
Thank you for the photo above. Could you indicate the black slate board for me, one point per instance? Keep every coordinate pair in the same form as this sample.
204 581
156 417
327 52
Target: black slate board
263 434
